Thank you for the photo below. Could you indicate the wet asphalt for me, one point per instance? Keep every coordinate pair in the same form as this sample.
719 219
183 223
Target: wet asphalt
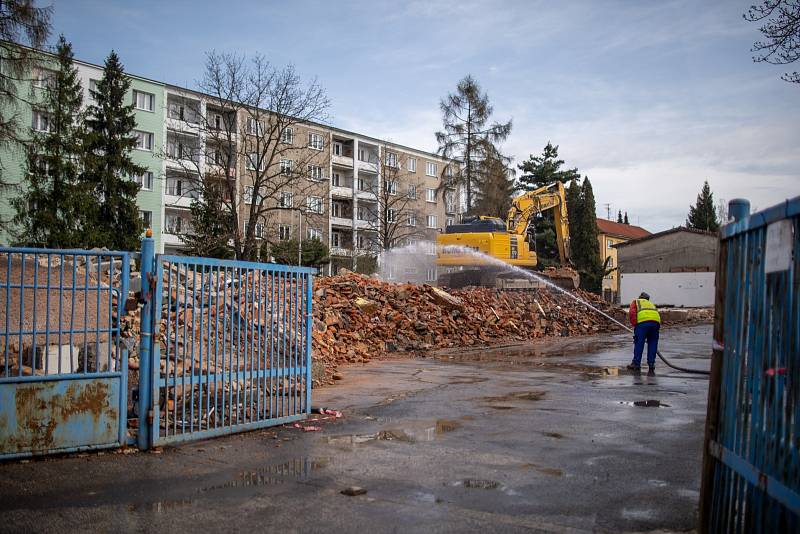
534 437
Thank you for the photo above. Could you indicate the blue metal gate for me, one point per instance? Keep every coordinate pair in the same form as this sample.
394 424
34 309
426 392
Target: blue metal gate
751 471
63 363
230 347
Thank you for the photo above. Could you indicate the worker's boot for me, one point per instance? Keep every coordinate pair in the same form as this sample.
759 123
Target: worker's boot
652 371
634 368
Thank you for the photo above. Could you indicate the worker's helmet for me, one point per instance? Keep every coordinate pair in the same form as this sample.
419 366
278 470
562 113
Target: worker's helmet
644 296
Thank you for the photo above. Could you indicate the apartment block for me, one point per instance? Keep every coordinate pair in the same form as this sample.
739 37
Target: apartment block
340 178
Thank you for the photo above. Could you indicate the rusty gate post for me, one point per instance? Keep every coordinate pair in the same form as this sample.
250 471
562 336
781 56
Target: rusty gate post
146 341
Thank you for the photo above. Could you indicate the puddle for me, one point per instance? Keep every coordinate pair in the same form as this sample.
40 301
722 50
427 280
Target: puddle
657 483
410 433
649 403
160 506
299 468
477 483
501 407
467 380
517 395
555 435
549 471
637 514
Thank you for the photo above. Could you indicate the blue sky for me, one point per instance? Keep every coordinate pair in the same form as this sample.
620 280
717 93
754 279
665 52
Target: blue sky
647 98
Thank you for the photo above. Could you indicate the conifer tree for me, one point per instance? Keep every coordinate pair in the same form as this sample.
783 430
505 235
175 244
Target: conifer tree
703 215
619 216
50 211
109 167
538 171
625 220
467 133
585 250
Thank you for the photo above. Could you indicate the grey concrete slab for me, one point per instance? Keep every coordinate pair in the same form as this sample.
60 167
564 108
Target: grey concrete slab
530 437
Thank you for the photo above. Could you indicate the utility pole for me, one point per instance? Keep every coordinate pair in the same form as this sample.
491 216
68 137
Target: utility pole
608 211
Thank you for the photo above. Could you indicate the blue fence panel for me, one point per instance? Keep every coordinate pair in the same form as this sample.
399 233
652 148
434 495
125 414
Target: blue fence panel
755 475
231 347
63 364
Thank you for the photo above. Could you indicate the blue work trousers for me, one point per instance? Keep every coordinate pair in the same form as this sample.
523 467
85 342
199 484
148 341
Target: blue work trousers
646 331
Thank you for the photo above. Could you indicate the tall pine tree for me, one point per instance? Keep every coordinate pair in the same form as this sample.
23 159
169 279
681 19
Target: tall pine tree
109 166
619 216
467 133
51 210
703 215
625 220
538 171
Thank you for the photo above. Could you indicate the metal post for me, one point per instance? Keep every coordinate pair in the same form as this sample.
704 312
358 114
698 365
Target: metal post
300 238
739 208
146 341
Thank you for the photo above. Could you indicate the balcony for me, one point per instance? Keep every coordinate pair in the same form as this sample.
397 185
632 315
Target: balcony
341 252
342 222
342 161
368 167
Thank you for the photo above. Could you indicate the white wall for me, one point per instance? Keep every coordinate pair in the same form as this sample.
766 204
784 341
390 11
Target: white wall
690 290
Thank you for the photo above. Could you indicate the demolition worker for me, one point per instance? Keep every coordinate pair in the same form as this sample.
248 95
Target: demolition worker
646 323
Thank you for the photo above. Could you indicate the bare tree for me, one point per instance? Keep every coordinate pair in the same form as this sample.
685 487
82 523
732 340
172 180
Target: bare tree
257 152
395 217
781 30
23 27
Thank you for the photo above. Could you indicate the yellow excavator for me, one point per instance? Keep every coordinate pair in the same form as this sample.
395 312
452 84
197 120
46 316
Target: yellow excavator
483 251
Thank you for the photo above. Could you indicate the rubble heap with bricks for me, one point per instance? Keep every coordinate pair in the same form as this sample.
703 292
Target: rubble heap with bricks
357 318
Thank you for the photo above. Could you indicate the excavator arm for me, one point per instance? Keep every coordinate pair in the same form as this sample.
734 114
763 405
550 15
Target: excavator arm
549 197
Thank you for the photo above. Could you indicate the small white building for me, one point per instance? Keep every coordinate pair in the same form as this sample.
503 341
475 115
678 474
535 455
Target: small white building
675 267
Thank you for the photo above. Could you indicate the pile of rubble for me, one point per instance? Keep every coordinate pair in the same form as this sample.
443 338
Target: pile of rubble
358 318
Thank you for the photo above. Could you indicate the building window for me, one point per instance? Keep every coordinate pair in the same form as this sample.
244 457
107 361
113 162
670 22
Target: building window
431 221
390 186
315 172
144 140
336 239
314 204
287 136
217 121
144 101
173 224
362 213
430 246
412 164
287 199
147 218
610 244
451 221
448 171
286 167
92 88
255 127
412 191
391 159
315 141
430 275
364 184
337 149
361 241
390 215
336 180
145 180
284 232
42 122
44 78
430 195
247 197
431 169
337 209
412 219
314 233
251 160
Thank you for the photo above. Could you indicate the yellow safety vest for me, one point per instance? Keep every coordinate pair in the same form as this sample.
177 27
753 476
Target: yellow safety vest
646 311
